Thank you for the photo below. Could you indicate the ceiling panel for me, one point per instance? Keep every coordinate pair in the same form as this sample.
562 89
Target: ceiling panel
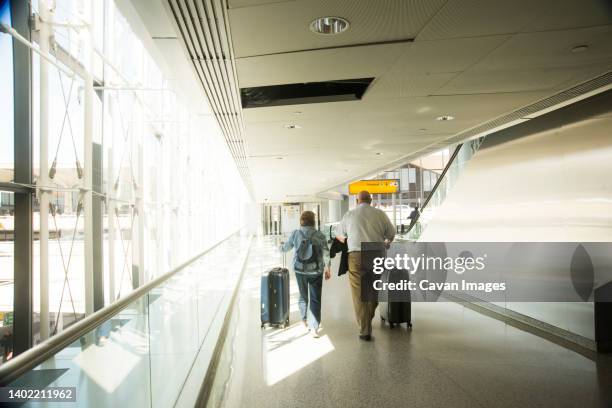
421 112
519 80
284 26
473 18
571 14
407 84
250 3
551 49
319 65
426 66
447 55
297 113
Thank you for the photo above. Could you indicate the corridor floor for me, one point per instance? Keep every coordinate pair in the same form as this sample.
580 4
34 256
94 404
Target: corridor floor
454 357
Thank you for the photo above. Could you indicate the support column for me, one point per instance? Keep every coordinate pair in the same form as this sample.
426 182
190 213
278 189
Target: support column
394 209
112 220
98 229
46 17
142 276
22 292
87 187
401 203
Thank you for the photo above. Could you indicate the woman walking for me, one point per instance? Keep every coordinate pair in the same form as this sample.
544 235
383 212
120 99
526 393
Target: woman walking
309 259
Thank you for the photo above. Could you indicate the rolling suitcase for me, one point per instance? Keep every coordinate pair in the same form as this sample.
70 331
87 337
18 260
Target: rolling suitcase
275 297
396 312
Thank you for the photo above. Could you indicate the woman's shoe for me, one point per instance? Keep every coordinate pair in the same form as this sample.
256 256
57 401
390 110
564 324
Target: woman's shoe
315 333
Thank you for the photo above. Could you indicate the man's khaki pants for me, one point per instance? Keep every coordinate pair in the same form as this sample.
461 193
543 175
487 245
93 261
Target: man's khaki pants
364 311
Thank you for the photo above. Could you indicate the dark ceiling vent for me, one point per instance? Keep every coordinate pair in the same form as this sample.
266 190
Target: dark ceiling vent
310 92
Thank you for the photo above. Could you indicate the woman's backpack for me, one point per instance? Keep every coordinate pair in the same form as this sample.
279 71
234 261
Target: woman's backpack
306 254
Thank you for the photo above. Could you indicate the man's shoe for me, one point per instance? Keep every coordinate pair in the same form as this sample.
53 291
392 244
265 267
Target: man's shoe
365 337
315 333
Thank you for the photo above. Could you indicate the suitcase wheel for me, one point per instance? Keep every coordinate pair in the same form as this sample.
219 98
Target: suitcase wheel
409 326
391 325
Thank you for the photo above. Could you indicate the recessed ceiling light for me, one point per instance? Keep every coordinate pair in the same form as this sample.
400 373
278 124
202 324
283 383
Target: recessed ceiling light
379 153
580 48
445 117
292 126
280 158
329 25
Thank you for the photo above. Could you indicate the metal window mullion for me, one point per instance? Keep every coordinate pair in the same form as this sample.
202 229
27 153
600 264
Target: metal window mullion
23 240
43 177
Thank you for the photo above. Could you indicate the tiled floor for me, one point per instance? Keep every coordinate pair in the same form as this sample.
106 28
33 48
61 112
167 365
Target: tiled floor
454 357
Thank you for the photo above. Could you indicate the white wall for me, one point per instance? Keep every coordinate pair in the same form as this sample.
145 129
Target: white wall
552 186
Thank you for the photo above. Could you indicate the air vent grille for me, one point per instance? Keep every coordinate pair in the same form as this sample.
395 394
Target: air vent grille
204 27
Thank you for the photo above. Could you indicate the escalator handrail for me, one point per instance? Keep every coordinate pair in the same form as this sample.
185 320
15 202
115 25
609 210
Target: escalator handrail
31 358
435 187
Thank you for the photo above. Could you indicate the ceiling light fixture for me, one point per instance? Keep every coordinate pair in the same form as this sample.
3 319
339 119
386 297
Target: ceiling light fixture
329 25
379 153
445 118
292 126
580 48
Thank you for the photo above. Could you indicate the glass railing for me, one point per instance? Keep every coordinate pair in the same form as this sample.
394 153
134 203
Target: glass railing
142 355
445 185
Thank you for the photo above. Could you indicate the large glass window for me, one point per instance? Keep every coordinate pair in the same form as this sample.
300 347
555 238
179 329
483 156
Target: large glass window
7 244
6 98
7 199
167 185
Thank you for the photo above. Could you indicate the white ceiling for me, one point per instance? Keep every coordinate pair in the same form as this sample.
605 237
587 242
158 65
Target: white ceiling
474 60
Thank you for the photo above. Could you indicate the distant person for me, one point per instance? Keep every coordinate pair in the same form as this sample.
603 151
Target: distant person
414 216
363 224
309 260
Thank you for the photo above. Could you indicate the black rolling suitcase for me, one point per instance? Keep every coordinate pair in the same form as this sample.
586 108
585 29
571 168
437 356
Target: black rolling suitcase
396 312
275 297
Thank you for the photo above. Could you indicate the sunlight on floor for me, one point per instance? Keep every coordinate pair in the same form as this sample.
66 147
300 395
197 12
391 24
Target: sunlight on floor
107 366
290 350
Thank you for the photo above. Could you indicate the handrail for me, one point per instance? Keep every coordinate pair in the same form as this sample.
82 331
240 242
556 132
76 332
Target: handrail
29 359
435 186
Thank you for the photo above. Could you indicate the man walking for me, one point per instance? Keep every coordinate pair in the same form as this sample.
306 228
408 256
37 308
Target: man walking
363 224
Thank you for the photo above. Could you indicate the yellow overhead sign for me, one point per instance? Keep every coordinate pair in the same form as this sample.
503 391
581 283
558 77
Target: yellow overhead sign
375 186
